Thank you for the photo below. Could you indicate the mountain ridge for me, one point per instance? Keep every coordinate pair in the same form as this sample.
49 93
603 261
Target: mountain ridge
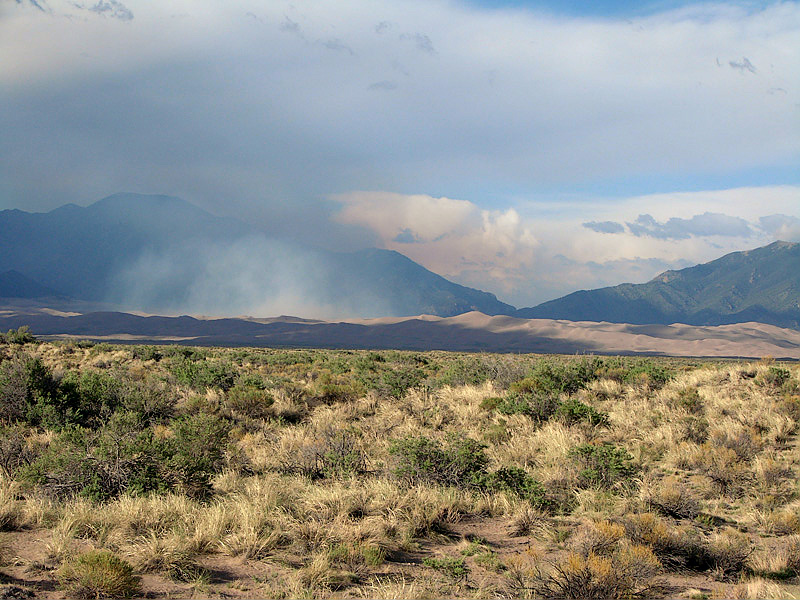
163 254
761 284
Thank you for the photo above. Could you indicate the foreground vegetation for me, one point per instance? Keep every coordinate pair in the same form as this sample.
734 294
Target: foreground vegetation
180 472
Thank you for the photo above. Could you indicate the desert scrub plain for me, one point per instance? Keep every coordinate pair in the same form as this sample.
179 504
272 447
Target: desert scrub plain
178 472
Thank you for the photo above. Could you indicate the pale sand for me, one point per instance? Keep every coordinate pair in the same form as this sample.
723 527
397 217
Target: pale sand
472 331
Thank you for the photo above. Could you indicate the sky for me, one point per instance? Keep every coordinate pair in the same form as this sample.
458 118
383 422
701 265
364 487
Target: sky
527 148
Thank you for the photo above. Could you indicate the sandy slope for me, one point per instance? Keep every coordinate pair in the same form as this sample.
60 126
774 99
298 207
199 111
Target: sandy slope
743 339
472 331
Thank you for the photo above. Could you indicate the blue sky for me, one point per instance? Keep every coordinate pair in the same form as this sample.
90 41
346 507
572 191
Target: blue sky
485 140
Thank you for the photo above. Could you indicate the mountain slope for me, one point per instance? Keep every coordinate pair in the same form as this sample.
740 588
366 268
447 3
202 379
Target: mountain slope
162 254
14 284
757 285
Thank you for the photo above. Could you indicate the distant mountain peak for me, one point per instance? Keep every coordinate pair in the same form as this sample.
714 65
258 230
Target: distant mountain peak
14 284
132 199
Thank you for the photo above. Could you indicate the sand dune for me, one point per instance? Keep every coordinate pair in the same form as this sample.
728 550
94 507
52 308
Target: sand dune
472 331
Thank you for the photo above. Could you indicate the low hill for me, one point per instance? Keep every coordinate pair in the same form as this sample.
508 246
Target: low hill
473 332
758 285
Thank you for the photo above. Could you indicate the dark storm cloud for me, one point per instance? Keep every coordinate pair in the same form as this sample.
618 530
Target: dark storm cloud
707 224
220 109
605 226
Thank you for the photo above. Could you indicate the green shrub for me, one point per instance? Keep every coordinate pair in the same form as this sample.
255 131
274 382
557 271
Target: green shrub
552 377
461 463
21 335
518 481
98 574
197 451
89 398
574 411
538 406
689 400
252 402
602 465
497 433
146 353
396 382
455 568
121 458
125 456
26 387
465 371
151 400
775 377
491 403
199 374
647 372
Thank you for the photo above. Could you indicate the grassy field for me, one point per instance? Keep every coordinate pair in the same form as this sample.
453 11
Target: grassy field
177 472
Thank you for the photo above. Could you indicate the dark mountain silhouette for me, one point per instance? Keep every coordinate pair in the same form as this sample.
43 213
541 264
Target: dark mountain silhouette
14 284
160 253
760 285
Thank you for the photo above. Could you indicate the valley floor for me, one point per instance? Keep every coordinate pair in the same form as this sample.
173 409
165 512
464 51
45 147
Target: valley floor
170 472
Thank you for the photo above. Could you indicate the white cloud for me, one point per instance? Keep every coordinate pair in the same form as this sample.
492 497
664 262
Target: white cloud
782 227
529 259
450 237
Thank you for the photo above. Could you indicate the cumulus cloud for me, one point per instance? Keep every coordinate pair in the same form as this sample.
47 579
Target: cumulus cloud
707 224
454 238
605 226
781 227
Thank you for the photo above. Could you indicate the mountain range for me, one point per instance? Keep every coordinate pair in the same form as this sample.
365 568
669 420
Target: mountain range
760 285
162 254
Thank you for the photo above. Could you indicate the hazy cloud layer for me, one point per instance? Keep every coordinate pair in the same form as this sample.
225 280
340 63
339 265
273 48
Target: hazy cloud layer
251 276
265 104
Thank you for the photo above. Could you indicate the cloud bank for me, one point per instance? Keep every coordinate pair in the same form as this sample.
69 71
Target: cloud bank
533 257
